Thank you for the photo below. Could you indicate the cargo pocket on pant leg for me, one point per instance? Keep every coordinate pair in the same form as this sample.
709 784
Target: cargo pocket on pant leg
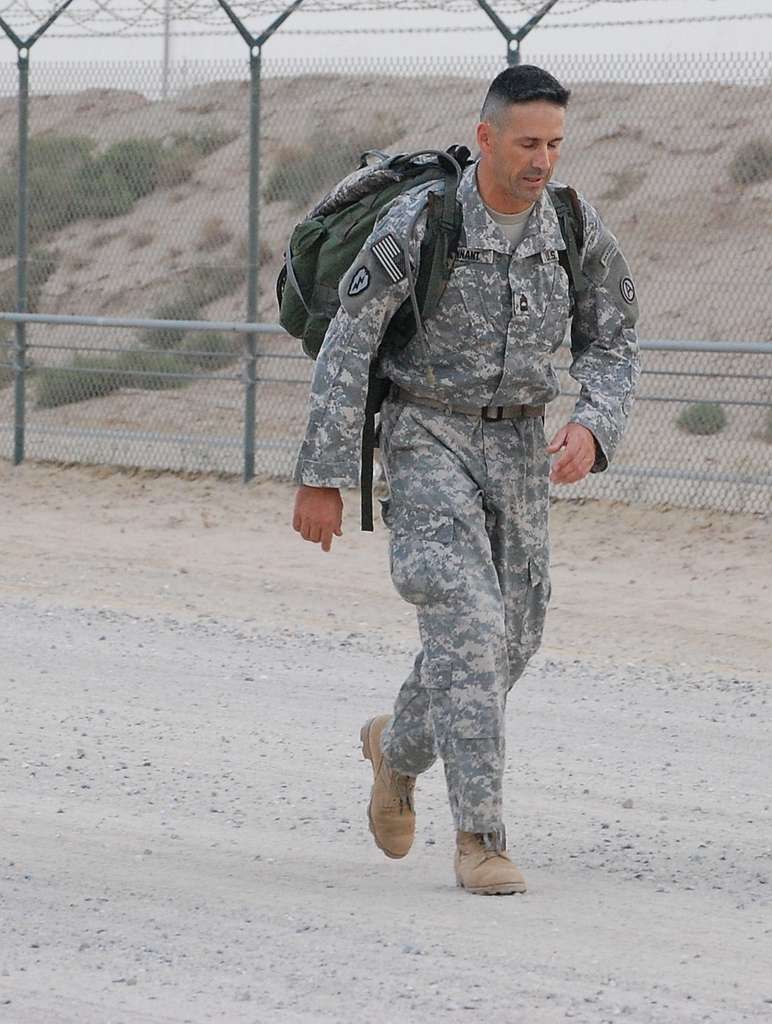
425 566
438 673
536 600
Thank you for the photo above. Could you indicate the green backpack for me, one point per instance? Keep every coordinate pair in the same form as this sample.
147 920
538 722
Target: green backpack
323 246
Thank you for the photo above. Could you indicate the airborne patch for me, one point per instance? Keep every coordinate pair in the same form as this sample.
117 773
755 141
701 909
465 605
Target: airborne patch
467 255
389 254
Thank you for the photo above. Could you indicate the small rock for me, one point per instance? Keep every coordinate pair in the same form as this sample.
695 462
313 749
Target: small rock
628 803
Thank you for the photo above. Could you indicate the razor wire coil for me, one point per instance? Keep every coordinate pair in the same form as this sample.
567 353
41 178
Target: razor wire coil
148 18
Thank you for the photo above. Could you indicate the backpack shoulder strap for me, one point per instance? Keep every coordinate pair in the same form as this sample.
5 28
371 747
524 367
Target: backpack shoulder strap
568 208
437 253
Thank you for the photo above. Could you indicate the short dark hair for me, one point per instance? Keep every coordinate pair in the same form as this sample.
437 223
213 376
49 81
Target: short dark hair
522 83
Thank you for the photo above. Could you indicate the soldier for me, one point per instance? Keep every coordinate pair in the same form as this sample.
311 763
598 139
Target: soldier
465 453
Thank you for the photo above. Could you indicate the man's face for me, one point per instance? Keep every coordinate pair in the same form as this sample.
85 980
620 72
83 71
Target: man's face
522 148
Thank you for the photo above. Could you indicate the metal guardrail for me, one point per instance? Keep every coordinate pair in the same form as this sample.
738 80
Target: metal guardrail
732 388
236 327
249 330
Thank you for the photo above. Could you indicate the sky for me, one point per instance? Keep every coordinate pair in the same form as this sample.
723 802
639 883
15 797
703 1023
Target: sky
475 39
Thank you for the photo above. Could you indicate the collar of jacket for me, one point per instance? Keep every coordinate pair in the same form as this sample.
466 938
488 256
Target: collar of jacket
542 232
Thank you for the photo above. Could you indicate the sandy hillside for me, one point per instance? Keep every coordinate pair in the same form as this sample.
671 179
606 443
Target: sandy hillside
654 158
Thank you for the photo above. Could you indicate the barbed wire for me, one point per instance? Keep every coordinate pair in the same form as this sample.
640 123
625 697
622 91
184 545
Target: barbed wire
563 25
97 14
148 18
33 12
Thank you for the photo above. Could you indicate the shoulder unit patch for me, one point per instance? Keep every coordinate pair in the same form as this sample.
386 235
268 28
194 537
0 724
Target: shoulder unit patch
360 282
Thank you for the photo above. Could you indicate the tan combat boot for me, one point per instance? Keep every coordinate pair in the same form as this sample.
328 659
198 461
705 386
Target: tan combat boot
483 870
391 814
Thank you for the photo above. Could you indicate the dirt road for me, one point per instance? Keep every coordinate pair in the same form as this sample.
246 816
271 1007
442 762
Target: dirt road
183 798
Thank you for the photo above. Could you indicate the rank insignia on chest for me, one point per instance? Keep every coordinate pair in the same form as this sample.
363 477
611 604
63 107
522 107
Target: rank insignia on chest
466 255
550 256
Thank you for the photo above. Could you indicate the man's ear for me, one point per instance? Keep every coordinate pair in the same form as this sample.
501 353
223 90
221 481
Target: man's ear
485 132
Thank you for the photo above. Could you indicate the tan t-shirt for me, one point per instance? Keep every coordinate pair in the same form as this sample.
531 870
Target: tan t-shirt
512 225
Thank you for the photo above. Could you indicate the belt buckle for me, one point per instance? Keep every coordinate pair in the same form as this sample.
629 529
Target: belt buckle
493 419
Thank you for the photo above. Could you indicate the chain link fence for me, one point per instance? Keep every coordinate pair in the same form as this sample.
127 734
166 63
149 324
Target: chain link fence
138 208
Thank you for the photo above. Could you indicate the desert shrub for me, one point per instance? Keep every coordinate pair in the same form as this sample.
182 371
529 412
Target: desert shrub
752 162
140 239
207 139
151 371
302 173
184 150
176 168
211 350
137 161
103 238
185 307
102 192
6 357
54 163
702 418
214 234
213 283
68 181
41 265
94 376
200 286
87 376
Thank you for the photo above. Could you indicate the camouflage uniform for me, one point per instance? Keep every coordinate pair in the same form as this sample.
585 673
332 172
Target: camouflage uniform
468 504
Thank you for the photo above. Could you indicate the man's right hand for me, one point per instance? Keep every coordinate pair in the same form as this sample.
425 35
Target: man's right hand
318 514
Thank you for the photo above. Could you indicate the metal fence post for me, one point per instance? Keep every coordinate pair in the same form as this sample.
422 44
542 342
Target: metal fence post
22 255
253 258
23 48
255 44
514 39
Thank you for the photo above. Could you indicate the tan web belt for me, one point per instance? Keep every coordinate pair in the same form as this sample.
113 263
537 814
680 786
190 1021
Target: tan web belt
485 412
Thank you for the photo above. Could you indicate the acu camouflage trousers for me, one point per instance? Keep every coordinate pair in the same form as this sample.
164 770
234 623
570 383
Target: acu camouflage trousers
467 514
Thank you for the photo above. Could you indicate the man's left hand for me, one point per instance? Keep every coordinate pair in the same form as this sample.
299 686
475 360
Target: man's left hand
578 458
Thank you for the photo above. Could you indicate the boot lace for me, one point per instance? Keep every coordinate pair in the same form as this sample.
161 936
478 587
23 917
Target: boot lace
404 786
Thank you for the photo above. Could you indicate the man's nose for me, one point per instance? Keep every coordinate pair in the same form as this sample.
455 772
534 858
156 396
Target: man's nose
541 159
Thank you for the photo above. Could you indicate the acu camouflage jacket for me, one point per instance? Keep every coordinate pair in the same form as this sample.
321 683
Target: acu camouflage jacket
492 338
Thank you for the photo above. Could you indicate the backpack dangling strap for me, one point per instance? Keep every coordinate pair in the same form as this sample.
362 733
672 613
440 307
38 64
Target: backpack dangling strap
293 280
377 389
366 478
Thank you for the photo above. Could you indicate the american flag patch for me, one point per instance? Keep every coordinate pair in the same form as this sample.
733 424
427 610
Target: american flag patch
389 254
